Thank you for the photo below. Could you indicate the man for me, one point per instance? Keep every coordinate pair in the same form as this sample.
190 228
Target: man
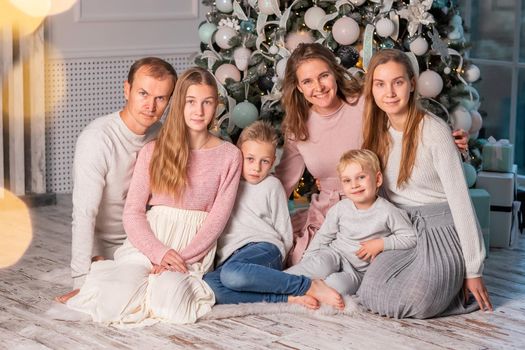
105 155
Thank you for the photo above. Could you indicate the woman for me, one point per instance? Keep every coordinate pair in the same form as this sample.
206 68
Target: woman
324 116
422 174
189 178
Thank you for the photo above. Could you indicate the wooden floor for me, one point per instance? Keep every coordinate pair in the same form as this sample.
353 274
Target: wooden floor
26 292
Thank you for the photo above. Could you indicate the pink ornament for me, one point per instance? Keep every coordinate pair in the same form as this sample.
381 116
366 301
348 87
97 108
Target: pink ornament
227 70
223 36
477 122
241 56
346 31
294 39
460 118
385 27
313 17
429 84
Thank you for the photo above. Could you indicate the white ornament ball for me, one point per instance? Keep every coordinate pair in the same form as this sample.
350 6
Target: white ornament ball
429 84
266 7
244 114
226 71
419 46
223 36
224 6
280 68
447 70
294 39
345 31
460 118
358 2
313 17
385 27
273 50
241 56
477 122
472 73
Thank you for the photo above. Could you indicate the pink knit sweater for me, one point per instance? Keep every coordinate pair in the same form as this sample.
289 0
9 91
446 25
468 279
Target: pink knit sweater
213 178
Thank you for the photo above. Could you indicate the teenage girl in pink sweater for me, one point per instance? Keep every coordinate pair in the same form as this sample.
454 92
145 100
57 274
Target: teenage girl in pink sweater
189 178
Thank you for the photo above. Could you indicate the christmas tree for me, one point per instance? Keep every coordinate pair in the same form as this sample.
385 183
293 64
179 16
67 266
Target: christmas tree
246 43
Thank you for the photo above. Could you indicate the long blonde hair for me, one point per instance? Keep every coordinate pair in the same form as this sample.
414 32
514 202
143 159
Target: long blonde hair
375 128
295 105
170 157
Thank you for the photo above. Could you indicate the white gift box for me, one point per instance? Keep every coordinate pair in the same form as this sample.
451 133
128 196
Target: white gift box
502 190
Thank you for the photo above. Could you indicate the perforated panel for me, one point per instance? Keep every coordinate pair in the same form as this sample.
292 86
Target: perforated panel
78 91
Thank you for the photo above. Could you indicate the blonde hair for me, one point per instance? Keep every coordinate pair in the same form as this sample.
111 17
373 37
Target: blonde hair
296 107
261 131
170 157
375 125
365 158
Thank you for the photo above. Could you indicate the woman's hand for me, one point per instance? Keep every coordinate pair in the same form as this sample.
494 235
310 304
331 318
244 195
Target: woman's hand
172 261
461 139
157 269
370 249
477 288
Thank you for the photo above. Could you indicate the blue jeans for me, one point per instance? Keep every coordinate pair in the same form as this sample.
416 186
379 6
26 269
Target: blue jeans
253 274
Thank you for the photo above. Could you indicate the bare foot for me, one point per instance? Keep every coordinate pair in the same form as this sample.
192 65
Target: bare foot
304 300
64 298
325 294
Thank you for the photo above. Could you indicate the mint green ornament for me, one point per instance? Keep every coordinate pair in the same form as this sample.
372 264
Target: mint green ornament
206 32
244 114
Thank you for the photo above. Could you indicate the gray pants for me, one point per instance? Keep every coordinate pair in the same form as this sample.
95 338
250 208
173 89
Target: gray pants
332 267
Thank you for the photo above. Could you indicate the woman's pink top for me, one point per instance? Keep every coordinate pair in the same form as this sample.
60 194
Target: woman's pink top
213 178
330 136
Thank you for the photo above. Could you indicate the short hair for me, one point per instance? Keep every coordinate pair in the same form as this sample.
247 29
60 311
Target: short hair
364 157
261 131
156 67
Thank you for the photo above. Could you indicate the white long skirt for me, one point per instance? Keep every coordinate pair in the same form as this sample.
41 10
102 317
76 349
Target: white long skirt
123 292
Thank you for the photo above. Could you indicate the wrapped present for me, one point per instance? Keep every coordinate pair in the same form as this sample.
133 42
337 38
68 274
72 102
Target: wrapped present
501 188
481 201
498 155
486 240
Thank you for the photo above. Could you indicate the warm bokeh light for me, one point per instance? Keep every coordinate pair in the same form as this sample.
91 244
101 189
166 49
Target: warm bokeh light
34 8
59 6
15 228
11 15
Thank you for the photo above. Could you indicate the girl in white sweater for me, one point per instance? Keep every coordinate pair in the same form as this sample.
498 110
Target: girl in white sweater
423 174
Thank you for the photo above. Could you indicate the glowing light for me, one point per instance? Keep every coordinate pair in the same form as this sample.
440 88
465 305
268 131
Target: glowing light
34 8
15 228
11 15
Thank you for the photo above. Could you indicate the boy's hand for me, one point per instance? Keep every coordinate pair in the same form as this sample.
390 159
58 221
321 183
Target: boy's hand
370 249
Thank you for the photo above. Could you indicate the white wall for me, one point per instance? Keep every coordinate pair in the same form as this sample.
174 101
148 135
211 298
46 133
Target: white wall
89 51
94 28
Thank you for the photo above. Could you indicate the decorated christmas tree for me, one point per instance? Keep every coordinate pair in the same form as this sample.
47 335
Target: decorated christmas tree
246 43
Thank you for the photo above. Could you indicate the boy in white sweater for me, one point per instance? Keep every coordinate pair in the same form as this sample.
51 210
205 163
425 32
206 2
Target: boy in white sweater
258 236
357 228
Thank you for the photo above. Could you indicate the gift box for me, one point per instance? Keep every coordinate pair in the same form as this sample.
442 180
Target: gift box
501 188
481 201
498 155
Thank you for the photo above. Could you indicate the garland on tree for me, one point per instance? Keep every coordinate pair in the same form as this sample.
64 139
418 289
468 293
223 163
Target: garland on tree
246 43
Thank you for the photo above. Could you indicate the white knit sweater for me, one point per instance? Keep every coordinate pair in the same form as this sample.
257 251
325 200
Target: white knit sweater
437 177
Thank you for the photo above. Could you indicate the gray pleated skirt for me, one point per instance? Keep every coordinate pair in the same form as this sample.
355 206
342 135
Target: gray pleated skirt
422 282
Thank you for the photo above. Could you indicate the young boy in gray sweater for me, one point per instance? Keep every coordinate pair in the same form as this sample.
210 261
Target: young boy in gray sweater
357 228
258 236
